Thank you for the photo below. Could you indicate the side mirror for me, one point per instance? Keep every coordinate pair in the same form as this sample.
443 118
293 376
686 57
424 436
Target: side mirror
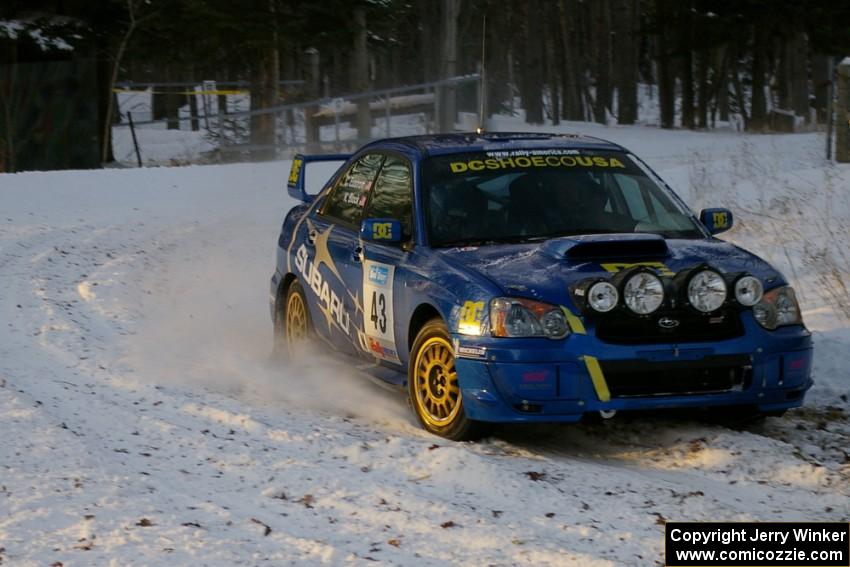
387 231
716 220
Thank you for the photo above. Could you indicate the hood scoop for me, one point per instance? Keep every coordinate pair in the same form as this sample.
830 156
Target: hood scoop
604 246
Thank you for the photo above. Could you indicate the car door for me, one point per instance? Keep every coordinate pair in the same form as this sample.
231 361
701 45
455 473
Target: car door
383 264
332 245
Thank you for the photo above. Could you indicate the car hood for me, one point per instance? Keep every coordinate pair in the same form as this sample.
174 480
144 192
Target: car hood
546 270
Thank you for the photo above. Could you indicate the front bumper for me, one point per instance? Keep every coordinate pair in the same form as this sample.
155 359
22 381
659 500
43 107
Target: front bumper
534 380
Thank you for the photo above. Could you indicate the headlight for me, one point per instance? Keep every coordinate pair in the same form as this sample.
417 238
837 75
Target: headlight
644 293
748 291
603 297
778 307
514 317
707 291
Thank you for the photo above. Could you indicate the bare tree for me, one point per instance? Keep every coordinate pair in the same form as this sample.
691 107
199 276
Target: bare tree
7 144
666 76
134 20
602 31
450 13
626 46
686 33
573 76
703 92
531 79
265 82
552 67
361 73
758 105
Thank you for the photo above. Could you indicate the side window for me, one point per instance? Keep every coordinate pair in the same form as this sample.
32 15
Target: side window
348 198
393 194
631 192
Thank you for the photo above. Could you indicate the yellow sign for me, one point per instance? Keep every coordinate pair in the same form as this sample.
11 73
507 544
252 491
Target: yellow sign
534 161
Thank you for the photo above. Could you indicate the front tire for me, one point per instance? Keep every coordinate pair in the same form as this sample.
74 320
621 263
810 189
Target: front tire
433 388
293 325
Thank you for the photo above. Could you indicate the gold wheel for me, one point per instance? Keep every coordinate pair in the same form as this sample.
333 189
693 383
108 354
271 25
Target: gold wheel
435 383
297 325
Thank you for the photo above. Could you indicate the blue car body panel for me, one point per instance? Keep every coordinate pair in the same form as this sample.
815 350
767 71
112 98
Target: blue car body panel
522 379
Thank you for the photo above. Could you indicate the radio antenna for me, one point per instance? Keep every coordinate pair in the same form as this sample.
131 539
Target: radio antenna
482 88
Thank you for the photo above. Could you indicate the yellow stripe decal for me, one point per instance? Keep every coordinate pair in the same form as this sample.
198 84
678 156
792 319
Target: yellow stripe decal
576 326
597 378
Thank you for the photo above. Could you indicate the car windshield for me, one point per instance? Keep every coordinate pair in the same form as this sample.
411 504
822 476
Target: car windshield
532 195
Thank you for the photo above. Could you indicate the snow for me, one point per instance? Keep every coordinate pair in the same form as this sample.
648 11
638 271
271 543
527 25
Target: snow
13 29
143 422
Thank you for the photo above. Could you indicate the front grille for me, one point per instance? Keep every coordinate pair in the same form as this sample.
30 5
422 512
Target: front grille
627 329
712 374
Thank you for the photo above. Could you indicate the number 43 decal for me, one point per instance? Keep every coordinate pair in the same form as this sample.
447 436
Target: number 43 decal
378 310
379 304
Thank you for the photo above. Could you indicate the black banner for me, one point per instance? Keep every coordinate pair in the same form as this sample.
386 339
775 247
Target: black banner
757 544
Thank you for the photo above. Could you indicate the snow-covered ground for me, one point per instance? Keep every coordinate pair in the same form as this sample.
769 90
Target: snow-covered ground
141 423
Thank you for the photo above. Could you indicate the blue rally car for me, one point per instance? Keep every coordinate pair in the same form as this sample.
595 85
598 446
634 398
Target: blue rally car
532 278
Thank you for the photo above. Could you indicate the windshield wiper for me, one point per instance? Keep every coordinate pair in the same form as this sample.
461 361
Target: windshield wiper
517 239
582 231
459 243
495 240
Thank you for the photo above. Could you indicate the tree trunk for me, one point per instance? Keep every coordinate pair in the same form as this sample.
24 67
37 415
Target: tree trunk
193 110
820 81
172 100
702 88
666 78
602 28
573 102
740 98
625 16
499 39
361 74
256 97
687 75
104 95
758 105
8 133
799 77
783 72
264 86
552 66
311 125
531 79
722 96
448 103
427 44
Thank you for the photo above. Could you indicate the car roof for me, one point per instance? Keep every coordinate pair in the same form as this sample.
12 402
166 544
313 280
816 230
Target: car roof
440 144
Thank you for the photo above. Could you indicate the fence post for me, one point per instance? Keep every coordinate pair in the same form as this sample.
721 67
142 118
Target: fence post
387 114
310 123
133 134
207 87
842 111
337 105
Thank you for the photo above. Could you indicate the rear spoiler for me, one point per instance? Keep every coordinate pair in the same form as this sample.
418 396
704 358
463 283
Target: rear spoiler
296 185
